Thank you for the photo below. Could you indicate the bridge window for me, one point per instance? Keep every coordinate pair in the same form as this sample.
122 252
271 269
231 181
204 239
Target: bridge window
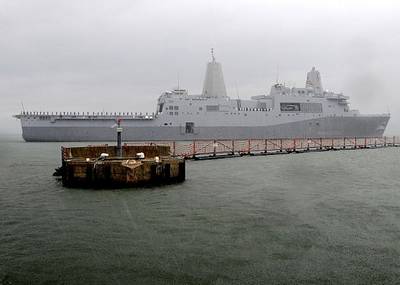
301 107
211 108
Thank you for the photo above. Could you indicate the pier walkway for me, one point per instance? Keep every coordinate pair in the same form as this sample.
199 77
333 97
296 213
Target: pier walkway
209 149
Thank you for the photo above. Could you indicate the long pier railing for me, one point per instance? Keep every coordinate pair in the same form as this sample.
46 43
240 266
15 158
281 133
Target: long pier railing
225 148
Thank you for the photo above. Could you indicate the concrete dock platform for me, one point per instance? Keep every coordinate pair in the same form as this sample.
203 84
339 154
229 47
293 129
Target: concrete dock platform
101 167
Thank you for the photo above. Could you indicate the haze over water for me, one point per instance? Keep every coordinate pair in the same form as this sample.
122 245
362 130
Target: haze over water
120 55
299 219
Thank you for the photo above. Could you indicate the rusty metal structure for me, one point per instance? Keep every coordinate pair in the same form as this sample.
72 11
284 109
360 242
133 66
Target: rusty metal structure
227 148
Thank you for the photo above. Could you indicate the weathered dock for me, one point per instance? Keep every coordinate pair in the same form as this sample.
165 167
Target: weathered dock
212 149
164 161
113 167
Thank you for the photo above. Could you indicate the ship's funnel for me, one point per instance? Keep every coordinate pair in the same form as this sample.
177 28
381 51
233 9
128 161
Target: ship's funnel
314 81
214 85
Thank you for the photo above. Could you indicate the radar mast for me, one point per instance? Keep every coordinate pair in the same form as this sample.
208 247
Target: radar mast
214 85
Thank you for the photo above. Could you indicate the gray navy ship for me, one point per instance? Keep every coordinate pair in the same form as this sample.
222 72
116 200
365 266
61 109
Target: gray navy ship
309 112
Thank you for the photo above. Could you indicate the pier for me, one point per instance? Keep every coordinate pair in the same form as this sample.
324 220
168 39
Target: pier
106 166
163 162
211 149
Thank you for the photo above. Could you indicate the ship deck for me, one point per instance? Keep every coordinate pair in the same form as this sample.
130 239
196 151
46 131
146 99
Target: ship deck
86 116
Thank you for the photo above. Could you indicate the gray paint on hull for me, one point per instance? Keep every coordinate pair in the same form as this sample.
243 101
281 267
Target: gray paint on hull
329 127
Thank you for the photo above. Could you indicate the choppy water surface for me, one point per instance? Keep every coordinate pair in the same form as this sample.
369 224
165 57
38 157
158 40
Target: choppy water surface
315 218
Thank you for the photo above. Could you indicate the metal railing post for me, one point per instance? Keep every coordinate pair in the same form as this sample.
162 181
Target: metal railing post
266 146
214 148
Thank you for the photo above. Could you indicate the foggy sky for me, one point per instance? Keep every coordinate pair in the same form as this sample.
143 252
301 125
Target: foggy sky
92 55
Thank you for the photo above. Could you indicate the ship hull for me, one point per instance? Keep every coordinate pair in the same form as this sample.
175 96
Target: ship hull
328 127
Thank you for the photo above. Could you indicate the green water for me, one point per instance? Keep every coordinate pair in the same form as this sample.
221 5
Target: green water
315 218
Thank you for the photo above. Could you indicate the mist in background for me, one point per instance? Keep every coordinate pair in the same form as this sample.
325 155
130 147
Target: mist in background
118 56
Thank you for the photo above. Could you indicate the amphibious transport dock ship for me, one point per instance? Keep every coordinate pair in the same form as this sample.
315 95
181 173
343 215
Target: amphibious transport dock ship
309 112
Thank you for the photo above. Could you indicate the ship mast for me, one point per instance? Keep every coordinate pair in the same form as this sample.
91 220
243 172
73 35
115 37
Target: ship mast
214 84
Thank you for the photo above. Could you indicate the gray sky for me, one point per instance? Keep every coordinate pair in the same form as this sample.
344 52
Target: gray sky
93 55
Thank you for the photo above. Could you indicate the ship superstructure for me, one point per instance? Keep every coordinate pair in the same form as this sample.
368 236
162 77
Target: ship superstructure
309 112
